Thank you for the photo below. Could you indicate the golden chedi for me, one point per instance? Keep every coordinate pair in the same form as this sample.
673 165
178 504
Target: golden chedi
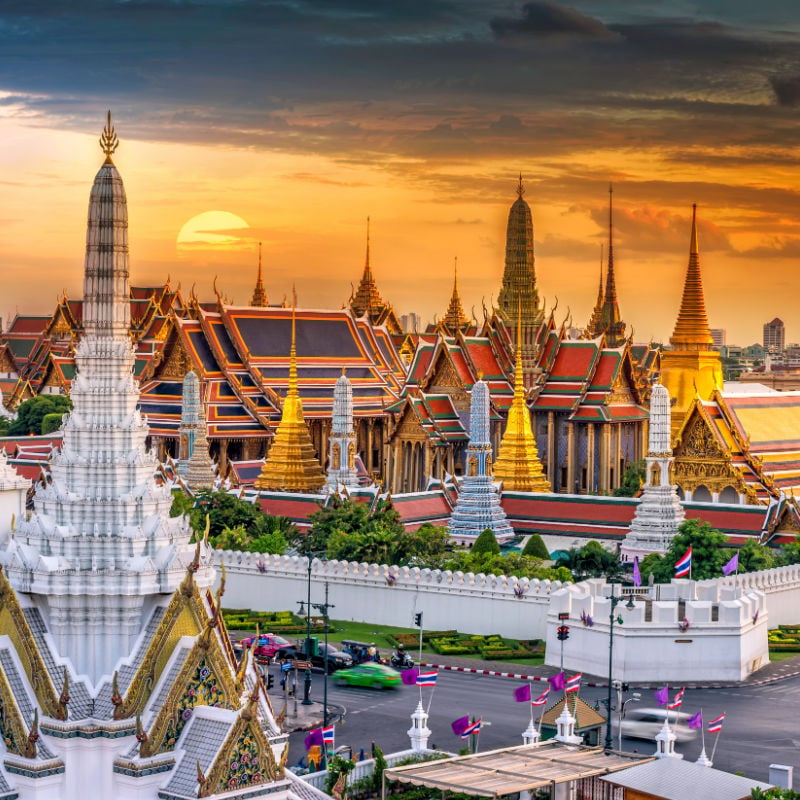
292 464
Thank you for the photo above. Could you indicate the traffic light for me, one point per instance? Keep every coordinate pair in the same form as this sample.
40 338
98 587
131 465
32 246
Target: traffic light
418 619
270 681
563 633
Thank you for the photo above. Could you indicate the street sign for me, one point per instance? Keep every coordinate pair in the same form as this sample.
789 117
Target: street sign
302 665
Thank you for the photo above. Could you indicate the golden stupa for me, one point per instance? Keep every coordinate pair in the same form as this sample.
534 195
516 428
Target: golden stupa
517 464
291 464
691 368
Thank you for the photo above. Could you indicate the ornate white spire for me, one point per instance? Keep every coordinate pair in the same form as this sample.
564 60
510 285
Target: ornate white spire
660 512
478 506
342 440
101 539
190 420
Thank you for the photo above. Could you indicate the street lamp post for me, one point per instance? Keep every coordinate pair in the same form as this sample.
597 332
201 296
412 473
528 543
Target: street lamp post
307 643
323 609
609 745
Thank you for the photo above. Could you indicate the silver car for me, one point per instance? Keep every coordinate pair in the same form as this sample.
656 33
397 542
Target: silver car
645 723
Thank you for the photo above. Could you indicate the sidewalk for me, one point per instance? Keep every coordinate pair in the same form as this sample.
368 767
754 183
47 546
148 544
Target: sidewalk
779 670
307 717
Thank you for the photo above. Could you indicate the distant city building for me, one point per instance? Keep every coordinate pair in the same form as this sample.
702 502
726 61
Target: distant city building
411 322
774 337
719 337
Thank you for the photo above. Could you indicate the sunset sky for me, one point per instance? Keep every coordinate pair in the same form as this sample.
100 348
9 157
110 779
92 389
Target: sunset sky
301 118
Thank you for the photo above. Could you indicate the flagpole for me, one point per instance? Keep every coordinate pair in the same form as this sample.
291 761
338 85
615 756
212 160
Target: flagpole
703 732
714 749
430 699
530 685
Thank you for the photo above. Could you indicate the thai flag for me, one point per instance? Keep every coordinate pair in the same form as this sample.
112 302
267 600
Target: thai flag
715 726
427 678
472 729
328 734
677 701
684 566
573 683
541 699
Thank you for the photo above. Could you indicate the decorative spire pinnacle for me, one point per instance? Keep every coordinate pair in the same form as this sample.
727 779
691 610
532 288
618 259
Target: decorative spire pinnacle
520 187
108 140
455 319
609 321
259 294
517 463
692 331
367 298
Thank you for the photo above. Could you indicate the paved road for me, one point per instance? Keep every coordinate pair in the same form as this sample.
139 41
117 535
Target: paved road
762 726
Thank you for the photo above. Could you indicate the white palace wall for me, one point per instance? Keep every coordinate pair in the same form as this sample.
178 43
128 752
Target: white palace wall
782 588
480 604
725 638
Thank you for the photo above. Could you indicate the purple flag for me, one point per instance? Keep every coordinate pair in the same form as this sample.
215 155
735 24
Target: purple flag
637 576
460 725
695 721
522 693
409 676
557 682
662 696
315 737
731 566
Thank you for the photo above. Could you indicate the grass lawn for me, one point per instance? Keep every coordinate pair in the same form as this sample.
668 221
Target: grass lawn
782 655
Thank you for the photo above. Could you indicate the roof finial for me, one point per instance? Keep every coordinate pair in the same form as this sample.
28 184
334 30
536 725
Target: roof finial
520 187
367 267
293 348
108 140
694 248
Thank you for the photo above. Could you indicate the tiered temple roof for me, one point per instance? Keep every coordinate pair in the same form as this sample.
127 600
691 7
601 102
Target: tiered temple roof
455 319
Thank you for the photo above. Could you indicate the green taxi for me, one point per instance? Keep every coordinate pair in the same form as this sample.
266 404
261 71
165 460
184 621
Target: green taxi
370 674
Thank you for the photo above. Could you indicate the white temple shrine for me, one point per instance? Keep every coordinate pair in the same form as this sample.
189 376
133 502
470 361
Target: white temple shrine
117 677
660 512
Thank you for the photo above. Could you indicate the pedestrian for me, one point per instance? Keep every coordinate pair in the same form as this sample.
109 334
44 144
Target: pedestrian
361 754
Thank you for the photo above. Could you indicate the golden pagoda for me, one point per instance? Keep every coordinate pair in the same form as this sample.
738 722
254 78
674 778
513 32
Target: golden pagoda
259 293
691 368
455 319
367 299
517 464
291 464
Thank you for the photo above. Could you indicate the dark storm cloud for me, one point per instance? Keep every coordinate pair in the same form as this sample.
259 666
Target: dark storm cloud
787 90
548 19
430 80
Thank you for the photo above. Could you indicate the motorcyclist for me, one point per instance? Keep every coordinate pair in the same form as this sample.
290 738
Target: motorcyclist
401 659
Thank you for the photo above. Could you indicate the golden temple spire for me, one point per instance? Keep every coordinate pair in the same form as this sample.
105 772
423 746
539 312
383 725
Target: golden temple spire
108 139
520 187
593 328
517 464
259 294
455 319
291 464
692 331
367 298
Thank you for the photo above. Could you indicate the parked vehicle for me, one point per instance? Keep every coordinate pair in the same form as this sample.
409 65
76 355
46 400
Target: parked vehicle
336 658
369 674
268 644
361 651
645 723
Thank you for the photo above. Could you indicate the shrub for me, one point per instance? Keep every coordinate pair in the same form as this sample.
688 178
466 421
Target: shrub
536 548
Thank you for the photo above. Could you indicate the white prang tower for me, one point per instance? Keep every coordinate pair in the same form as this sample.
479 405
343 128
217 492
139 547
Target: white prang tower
660 512
342 439
101 545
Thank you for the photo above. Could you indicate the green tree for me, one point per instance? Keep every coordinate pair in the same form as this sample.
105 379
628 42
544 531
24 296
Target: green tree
632 480
708 552
536 547
774 794
51 422
754 556
590 561
790 553
232 539
427 546
32 412
486 544
343 515
380 766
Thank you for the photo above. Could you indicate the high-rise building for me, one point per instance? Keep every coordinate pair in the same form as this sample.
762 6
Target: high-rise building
719 337
774 339
411 322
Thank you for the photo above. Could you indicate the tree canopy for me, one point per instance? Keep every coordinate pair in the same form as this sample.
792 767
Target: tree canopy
536 547
31 414
632 480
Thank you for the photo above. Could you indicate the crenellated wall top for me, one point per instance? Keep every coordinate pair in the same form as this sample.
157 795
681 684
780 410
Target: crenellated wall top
395 577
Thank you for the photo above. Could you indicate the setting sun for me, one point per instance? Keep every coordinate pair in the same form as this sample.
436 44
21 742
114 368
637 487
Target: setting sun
213 230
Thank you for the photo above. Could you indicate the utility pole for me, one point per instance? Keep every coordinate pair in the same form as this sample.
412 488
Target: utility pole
307 644
323 609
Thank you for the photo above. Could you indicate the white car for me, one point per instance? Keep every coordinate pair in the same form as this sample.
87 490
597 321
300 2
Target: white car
645 723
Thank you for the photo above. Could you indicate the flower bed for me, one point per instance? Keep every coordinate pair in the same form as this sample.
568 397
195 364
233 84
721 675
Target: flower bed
268 621
785 638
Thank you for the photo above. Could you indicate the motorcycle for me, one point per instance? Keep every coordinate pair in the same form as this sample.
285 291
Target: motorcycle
401 661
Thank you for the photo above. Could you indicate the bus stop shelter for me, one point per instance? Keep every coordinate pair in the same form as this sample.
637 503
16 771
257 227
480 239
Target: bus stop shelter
511 770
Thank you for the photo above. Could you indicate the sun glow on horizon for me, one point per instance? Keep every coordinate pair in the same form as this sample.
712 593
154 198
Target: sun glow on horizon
213 230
